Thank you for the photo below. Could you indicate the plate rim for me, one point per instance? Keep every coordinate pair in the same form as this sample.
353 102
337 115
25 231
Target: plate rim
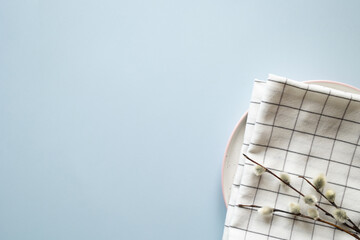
245 115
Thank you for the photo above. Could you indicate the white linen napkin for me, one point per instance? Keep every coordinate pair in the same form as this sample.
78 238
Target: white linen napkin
305 130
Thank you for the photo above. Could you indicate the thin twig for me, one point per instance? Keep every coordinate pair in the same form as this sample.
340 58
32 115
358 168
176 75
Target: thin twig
269 171
338 227
332 203
355 228
303 216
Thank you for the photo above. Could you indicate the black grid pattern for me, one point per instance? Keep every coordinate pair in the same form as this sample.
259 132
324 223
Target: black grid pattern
307 161
287 151
334 124
264 159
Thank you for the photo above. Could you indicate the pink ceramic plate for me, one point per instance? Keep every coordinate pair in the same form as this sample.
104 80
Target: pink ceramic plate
233 148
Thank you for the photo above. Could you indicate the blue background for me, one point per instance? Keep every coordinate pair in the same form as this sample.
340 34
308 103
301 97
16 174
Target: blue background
114 115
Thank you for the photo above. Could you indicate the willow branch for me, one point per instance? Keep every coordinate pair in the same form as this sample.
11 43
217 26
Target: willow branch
271 172
312 185
332 203
355 228
303 216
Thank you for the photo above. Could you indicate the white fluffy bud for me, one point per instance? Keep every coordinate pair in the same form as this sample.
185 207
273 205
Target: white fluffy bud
285 177
294 208
319 182
259 170
266 211
340 215
310 200
313 213
330 195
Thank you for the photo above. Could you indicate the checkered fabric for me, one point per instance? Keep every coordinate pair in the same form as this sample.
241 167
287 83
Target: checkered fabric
303 130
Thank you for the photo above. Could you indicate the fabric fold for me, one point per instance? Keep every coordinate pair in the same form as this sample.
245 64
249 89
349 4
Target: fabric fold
258 89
